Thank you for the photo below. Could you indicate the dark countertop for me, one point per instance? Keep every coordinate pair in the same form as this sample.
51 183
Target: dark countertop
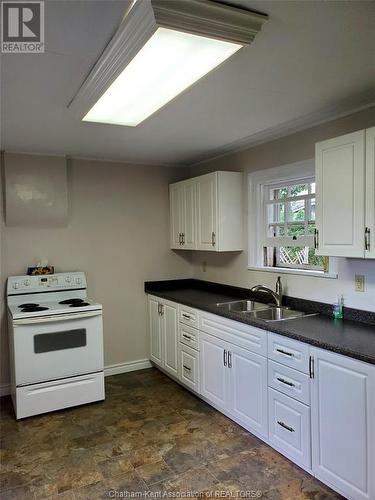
350 338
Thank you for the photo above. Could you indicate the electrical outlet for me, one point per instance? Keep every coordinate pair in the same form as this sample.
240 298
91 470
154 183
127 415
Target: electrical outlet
359 283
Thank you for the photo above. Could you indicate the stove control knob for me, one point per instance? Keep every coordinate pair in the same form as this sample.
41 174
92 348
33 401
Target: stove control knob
27 282
78 281
68 279
16 285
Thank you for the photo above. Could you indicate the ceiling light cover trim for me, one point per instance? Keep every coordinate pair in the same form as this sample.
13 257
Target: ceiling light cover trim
209 18
199 17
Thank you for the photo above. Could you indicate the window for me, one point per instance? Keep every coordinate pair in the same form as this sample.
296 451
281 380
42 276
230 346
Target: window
282 221
289 225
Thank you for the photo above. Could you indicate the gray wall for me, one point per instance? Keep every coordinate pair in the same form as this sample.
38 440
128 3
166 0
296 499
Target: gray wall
118 233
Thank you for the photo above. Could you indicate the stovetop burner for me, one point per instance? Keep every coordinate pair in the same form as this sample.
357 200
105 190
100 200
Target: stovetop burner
79 304
34 309
29 304
72 301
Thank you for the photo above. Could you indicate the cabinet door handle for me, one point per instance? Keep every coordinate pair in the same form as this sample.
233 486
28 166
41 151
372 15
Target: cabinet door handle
285 352
316 239
179 238
225 357
290 429
187 337
183 238
311 367
283 381
367 238
186 316
213 238
159 308
229 359
187 368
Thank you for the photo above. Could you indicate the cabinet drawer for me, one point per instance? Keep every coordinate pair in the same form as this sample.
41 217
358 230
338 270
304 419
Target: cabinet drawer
289 427
288 381
188 316
289 352
189 336
189 367
245 336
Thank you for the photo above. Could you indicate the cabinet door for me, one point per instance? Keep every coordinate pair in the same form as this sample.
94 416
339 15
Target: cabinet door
340 194
176 197
189 226
170 336
248 389
370 193
213 370
343 424
207 212
156 337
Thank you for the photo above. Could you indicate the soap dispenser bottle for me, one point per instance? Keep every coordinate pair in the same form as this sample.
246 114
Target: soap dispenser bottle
338 307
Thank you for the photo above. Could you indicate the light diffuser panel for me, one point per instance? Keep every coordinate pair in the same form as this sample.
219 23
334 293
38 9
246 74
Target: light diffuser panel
170 62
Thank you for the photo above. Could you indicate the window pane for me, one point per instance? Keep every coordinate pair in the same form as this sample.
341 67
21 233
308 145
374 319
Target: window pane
296 230
276 212
275 231
295 257
299 190
312 208
311 228
296 210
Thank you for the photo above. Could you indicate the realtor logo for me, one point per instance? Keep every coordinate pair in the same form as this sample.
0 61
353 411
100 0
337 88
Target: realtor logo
22 27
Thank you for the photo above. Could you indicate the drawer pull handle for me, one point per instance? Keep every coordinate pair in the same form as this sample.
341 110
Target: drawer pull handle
290 429
186 316
283 381
187 337
285 352
187 368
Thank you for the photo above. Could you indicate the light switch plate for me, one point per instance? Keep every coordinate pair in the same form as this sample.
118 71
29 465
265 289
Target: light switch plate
359 283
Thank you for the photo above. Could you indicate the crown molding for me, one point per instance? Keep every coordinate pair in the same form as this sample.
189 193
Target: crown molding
209 18
143 18
284 129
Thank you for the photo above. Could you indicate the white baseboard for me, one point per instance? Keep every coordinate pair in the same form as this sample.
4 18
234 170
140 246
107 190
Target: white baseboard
4 389
128 366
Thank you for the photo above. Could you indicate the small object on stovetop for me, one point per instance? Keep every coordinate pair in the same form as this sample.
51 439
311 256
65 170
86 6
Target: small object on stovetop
79 304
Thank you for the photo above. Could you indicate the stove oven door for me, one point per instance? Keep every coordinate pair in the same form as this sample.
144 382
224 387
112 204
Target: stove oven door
53 347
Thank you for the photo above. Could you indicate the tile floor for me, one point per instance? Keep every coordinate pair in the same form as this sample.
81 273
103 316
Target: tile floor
150 435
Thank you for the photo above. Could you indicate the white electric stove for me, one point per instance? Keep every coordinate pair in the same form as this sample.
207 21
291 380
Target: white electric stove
55 341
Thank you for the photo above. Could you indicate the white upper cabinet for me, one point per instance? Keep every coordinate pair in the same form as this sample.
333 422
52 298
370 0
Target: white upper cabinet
206 212
370 193
345 195
340 205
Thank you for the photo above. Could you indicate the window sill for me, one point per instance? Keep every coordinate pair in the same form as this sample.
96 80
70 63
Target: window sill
300 272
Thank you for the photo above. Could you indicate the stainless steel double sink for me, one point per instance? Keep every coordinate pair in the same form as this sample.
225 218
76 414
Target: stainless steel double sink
260 311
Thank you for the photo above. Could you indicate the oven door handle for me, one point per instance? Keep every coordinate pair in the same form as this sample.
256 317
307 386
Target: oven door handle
53 319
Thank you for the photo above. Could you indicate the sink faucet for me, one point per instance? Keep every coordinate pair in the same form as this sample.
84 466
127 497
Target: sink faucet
277 296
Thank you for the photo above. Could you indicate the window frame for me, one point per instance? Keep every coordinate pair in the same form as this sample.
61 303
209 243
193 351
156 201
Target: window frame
258 181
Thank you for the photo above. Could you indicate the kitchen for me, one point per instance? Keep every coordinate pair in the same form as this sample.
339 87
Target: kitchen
117 221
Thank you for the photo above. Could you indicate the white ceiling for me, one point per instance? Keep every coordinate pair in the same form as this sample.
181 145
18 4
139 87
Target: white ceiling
313 60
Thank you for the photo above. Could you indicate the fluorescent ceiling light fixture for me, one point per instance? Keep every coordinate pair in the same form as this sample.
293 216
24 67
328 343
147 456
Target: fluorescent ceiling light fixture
161 48
168 64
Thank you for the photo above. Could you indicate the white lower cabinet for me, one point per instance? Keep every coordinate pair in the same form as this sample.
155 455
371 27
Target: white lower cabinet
314 406
163 316
214 360
235 380
289 428
248 389
189 367
343 424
